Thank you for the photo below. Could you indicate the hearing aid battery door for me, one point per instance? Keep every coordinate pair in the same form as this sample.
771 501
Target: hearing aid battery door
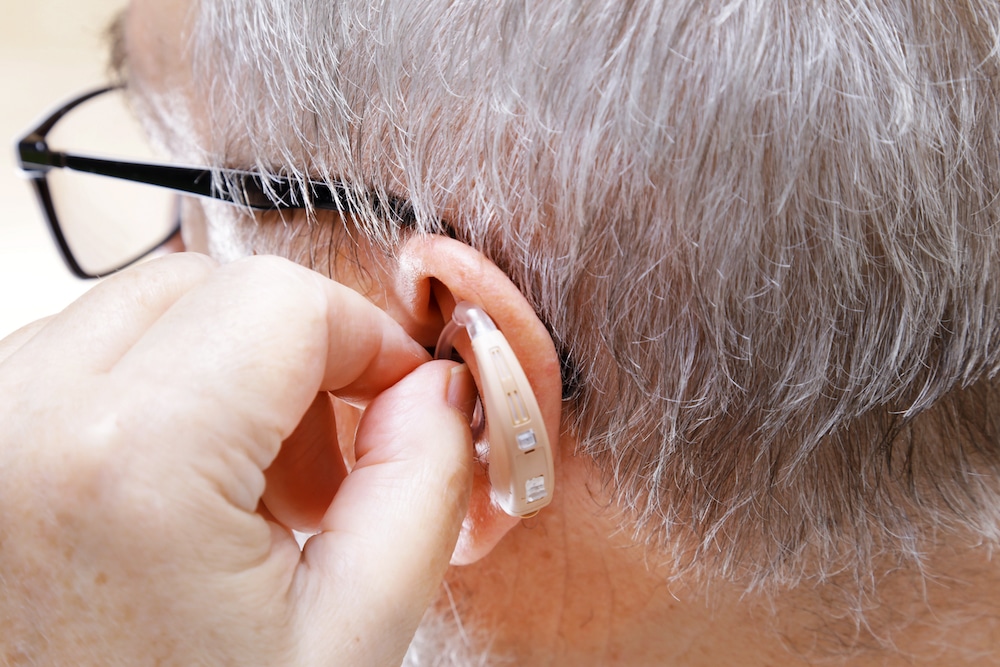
520 459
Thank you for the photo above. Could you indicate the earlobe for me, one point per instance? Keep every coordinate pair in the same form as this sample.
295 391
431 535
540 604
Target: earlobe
485 523
431 276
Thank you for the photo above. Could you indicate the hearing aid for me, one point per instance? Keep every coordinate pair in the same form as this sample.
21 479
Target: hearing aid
520 458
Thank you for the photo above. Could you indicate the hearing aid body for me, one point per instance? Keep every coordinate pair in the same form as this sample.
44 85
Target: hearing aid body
520 457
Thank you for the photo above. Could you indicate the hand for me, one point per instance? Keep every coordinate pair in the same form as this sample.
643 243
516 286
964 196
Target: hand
135 431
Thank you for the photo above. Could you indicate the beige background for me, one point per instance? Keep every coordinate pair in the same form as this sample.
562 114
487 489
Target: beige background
49 51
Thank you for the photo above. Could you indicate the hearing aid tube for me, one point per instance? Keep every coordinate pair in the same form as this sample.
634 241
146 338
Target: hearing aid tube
520 457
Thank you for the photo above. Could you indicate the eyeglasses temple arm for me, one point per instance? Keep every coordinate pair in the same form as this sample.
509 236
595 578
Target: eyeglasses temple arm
247 189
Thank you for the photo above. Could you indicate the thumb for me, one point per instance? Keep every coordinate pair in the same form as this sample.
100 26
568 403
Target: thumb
366 580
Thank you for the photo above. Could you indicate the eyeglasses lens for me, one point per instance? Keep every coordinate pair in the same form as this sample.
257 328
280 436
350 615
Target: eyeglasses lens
107 222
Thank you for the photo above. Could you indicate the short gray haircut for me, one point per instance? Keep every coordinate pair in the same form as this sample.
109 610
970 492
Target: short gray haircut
763 234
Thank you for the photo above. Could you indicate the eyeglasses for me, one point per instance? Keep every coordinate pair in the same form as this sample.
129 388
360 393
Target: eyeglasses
101 227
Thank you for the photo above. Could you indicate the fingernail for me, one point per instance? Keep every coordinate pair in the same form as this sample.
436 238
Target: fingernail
462 391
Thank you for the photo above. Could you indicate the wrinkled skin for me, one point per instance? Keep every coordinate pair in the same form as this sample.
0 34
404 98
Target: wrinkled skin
141 426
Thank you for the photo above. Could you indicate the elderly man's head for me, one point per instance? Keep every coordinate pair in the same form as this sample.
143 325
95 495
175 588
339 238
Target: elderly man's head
760 234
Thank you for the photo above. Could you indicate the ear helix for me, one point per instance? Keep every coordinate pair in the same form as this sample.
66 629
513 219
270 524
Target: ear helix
520 457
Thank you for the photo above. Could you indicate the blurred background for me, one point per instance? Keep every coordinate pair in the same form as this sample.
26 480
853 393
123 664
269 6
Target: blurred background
49 51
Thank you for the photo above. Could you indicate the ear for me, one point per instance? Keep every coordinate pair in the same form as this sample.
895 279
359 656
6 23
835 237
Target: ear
432 274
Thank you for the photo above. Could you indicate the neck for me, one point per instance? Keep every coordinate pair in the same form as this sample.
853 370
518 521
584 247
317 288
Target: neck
568 588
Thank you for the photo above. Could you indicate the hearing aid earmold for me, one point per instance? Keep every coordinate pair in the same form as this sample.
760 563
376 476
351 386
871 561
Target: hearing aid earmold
520 458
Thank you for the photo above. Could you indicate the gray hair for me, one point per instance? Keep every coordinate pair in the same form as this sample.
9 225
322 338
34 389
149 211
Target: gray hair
762 232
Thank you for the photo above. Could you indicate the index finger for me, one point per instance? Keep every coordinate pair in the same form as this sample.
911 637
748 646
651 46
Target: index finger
257 339
13 342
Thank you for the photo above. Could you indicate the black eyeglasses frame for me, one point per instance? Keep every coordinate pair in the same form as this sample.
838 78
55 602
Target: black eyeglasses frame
247 189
